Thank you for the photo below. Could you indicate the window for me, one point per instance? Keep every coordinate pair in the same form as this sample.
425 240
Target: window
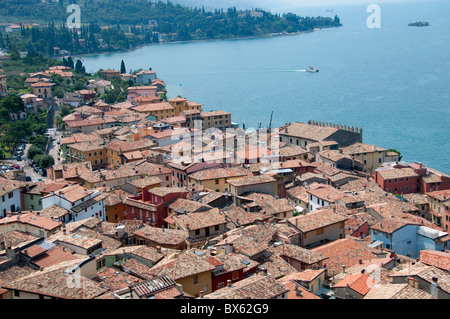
235 275
220 285
319 231
217 181
195 280
216 227
16 293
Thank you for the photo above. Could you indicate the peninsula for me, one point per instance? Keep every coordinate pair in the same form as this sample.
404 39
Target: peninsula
120 25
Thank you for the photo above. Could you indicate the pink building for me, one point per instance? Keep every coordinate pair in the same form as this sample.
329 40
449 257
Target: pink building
135 91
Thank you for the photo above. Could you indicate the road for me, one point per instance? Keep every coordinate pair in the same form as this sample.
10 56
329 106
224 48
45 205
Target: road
53 150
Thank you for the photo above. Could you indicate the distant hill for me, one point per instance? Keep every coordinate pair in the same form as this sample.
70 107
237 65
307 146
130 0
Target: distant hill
239 4
111 25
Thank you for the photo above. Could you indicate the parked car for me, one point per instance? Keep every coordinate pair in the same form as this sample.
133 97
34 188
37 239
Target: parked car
16 166
10 166
28 178
36 168
18 158
4 167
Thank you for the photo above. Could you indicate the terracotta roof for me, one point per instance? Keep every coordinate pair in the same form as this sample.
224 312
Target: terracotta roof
129 146
397 173
185 264
317 219
308 275
327 193
53 280
396 291
305 256
214 113
163 191
54 211
297 291
251 180
9 186
16 238
94 145
442 195
254 287
358 148
113 279
217 173
32 220
435 258
107 175
361 283
79 241
153 107
341 252
243 218
199 220
276 266
182 205
307 131
73 193
54 256
91 121
162 236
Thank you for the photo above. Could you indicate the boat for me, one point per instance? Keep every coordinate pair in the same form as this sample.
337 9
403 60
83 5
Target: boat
312 69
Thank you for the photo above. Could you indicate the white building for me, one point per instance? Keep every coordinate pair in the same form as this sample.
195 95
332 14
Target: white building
9 197
81 202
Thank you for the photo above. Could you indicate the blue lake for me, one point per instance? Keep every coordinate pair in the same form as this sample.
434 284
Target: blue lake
393 81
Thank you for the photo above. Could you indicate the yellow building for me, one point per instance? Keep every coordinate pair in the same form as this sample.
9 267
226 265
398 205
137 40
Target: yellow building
160 110
115 149
216 119
93 151
180 105
42 90
188 269
370 155
216 178
29 223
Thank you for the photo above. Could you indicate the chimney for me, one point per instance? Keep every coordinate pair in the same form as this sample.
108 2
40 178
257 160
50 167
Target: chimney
434 287
187 226
343 269
264 271
298 292
64 231
158 249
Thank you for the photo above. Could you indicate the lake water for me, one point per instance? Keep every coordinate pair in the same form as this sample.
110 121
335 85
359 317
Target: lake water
393 81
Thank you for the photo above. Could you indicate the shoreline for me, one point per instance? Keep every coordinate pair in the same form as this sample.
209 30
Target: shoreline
271 35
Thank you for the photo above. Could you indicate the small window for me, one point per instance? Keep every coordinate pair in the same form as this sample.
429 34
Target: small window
195 280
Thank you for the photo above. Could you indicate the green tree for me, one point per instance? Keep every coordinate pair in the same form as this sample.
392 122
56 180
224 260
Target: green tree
13 103
44 161
38 141
122 67
65 110
33 151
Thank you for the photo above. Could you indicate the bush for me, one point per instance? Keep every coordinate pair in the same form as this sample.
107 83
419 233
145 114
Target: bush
34 151
44 161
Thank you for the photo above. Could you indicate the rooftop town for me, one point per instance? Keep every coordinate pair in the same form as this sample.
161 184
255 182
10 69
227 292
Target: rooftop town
157 198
